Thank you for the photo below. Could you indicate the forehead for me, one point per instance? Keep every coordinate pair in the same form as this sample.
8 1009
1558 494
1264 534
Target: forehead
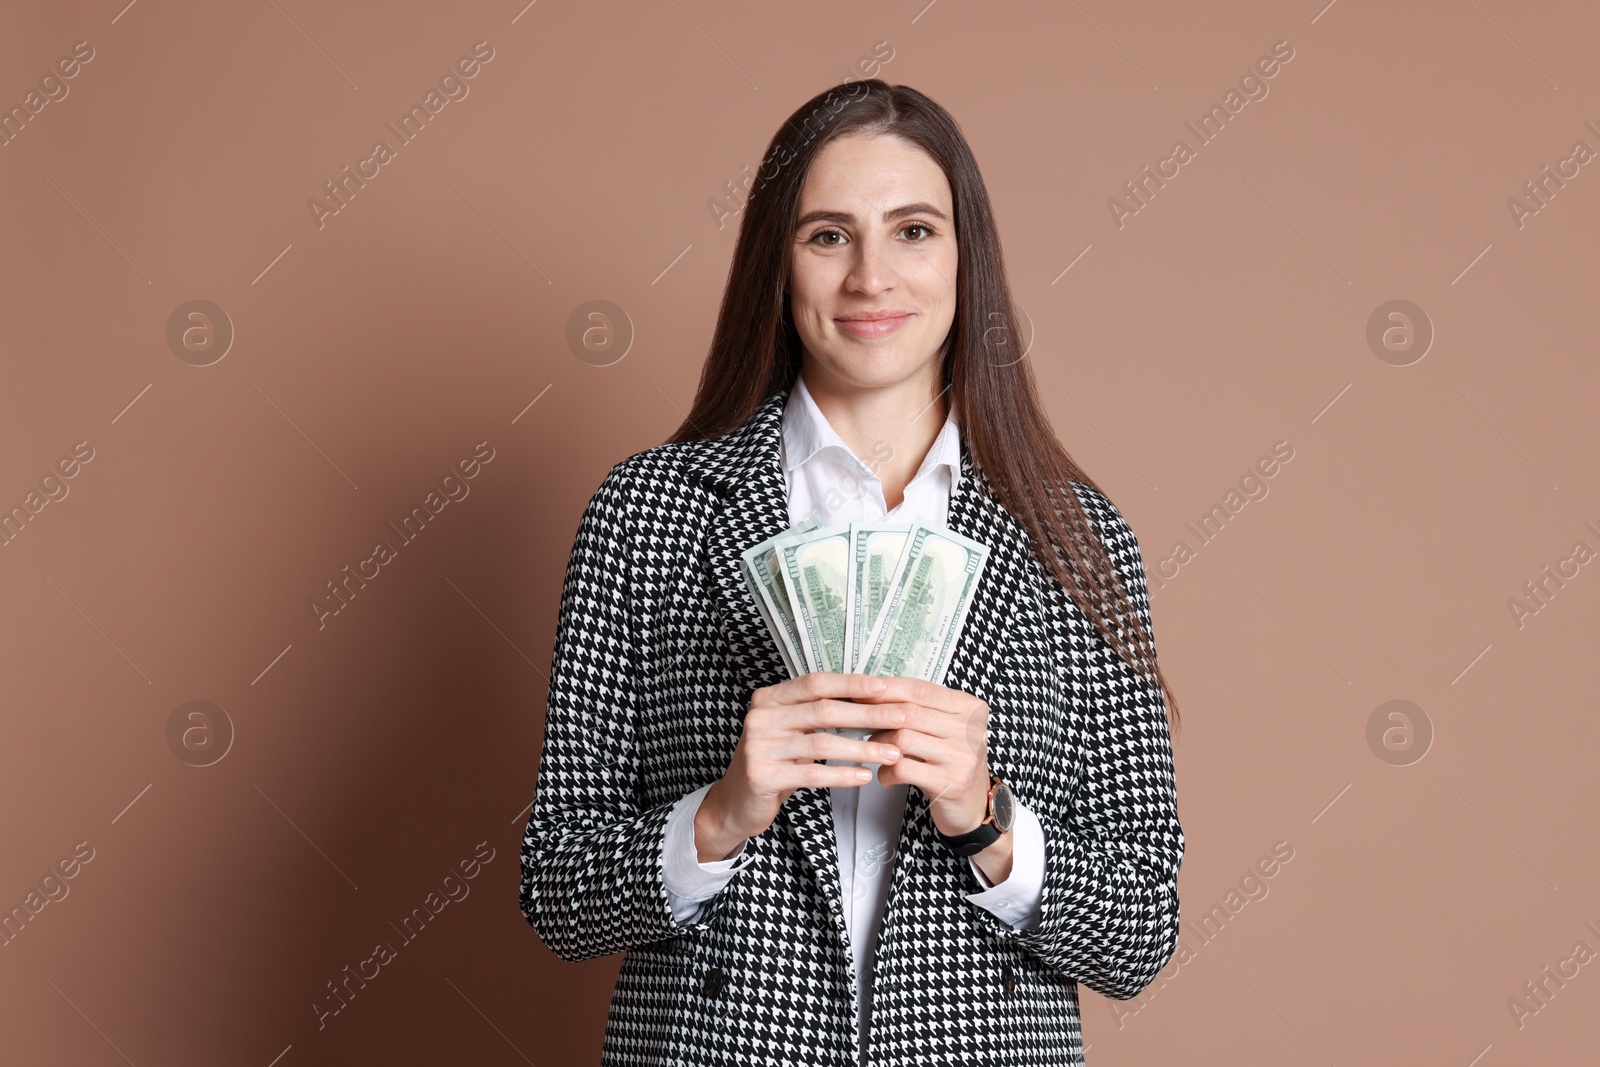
860 173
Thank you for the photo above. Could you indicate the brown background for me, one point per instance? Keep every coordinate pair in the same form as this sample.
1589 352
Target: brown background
371 755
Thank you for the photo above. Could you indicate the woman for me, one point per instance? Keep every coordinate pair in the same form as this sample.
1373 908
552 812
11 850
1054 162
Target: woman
691 809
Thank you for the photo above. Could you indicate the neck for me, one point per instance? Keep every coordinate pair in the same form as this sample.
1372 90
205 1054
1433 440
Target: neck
900 421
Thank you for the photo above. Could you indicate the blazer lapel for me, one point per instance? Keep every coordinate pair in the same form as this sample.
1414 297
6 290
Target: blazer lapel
744 468
1002 613
1005 614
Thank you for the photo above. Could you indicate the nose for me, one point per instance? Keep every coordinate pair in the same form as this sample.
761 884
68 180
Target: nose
870 272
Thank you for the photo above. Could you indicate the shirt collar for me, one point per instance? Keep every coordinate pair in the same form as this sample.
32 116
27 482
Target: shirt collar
807 432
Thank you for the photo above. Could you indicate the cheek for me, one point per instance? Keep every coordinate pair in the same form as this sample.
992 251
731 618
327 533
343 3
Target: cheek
947 277
807 314
805 297
933 275
810 321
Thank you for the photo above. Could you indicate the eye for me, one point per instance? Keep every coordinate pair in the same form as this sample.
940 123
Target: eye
820 235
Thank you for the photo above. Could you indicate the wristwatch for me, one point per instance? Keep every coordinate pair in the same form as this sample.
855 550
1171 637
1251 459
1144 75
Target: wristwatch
996 821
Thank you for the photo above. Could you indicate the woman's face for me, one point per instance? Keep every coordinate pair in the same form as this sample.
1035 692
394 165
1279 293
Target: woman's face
876 233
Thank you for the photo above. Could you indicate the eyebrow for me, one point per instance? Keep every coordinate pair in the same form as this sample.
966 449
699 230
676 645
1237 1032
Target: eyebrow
888 216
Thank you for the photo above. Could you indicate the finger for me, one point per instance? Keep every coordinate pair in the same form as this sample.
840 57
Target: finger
931 721
822 745
910 771
819 685
791 776
830 713
925 748
926 693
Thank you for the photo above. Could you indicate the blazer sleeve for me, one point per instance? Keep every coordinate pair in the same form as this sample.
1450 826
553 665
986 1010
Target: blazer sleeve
1108 913
592 879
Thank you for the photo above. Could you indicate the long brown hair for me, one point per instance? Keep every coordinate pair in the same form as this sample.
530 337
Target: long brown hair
757 351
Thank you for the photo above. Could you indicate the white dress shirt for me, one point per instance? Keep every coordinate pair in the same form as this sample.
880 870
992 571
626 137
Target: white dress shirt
828 482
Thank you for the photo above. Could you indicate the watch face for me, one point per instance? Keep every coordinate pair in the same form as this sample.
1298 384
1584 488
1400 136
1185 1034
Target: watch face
1005 809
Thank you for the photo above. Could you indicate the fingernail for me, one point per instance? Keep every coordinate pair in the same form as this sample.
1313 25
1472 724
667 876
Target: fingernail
864 774
890 752
876 685
897 715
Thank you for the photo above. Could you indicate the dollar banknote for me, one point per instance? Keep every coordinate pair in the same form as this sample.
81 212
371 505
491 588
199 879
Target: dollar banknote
874 552
884 598
760 567
930 593
815 566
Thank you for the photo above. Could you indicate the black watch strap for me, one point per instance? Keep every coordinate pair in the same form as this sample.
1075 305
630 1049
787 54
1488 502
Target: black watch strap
985 834
973 841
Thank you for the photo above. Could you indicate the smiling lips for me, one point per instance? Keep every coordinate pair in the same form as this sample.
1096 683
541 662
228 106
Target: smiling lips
874 323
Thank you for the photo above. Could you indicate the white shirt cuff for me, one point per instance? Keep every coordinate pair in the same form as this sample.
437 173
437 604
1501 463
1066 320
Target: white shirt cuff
1016 900
688 881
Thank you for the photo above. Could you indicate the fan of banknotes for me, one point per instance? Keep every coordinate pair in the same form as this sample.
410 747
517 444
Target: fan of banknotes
866 598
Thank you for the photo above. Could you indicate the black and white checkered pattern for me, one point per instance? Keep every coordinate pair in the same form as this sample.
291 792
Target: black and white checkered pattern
657 650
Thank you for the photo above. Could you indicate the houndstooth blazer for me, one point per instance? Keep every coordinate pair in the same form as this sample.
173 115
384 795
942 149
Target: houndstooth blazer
658 648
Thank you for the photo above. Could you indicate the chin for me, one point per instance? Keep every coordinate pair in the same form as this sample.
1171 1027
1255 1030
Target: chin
870 367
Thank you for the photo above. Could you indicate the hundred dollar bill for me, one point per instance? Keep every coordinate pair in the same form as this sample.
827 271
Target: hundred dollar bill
759 565
875 548
933 586
815 567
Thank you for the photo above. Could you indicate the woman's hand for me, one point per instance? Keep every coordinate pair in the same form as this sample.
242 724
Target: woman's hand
781 740
945 738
